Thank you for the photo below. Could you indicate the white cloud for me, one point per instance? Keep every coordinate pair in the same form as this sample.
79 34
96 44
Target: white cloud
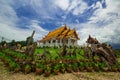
48 9
45 9
81 8
63 4
97 5
104 24
108 33
77 7
40 32
105 14
8 24
7 14
10 32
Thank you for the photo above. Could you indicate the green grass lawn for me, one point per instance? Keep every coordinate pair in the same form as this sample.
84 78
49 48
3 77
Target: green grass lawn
54 52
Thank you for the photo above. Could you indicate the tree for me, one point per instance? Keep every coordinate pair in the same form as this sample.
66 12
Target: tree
12 43
23 43
3 42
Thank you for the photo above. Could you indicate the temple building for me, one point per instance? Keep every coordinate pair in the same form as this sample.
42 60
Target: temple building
63 35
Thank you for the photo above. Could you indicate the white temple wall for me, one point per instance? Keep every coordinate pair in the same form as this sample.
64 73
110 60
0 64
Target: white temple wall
58 43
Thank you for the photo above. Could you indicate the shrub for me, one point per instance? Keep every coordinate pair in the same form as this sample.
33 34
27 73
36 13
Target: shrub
89 64
27 68
103 65
56 67
12 65
62 65
75 65
39 65
17 69
48 68
81 64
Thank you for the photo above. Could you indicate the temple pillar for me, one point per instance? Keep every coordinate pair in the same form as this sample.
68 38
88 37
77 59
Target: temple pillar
68 42
51 42
60 42
47 43
56 43
38 43
44 43
75 43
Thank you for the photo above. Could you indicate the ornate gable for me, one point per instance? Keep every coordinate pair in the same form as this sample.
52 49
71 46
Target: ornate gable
60 33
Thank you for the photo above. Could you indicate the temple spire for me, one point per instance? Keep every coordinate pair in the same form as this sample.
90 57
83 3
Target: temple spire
74 28
65 24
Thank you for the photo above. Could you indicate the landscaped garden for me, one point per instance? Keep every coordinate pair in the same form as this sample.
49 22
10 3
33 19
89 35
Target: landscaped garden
48 61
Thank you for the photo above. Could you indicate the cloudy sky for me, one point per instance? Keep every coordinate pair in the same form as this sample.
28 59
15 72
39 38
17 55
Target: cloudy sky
99 18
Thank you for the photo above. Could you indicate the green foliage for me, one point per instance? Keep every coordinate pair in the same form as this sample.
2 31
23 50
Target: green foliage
103 65
66 61
8 59
20 56
3 42
75 65
13 64
81 64
39 65
28 67
56 67
96 64
82 52
2 55
23 43
89 64
17 66
12 43
48 68
69 65
66 57
62 65
118 65
54 53
72 57
117 52
27 57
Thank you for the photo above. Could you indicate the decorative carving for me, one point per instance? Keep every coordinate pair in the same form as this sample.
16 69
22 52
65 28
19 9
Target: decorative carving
30 49
103 51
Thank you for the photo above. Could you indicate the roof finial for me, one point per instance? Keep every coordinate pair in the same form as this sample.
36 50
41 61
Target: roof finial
74 28
65 25
89 36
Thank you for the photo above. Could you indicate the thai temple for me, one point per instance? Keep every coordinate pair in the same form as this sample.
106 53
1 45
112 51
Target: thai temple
63 35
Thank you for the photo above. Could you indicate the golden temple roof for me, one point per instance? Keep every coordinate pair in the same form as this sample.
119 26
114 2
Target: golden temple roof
60 33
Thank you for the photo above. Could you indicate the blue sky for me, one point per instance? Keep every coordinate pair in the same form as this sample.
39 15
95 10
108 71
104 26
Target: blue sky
100 18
